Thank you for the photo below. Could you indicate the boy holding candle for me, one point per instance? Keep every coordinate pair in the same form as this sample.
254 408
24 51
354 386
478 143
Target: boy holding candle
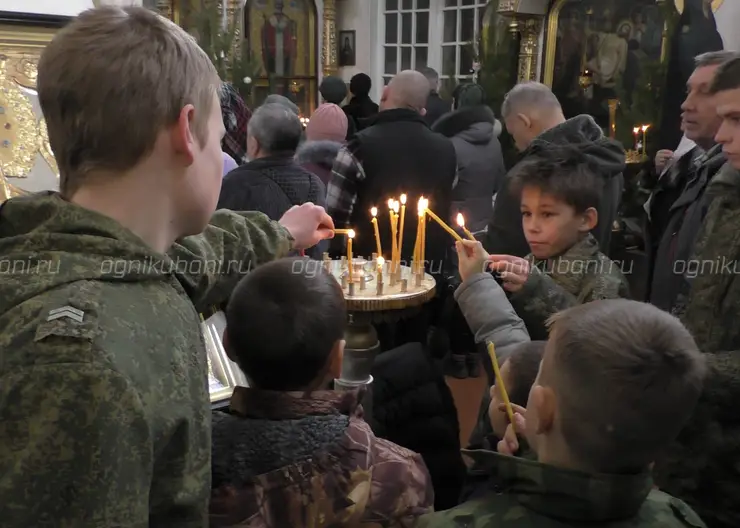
607 400
292 452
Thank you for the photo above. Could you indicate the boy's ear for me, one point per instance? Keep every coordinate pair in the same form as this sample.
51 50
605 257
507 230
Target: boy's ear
590 219
543 400
335 360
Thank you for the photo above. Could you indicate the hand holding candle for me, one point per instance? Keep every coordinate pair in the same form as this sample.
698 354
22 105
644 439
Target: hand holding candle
461 223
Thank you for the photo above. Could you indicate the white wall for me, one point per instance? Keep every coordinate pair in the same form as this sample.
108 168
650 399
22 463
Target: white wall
362 16
46 7
728 20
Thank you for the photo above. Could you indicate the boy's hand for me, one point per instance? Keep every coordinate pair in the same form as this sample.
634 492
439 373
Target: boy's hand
510 443
308 224
514 270
471 258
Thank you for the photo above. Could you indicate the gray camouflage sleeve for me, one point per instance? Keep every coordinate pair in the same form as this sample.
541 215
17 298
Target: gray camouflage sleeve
539 298
76 449
210 265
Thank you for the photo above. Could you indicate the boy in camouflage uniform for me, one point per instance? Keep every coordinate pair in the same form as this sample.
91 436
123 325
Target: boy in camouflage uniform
617 382
559 195
292 452
104 408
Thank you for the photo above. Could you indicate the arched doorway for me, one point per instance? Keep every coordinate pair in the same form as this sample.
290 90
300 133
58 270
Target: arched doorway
283 37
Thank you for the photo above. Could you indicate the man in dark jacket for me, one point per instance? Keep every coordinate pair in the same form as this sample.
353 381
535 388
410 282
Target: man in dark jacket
396 154
436 107
534 117
271 182
360 106
672 227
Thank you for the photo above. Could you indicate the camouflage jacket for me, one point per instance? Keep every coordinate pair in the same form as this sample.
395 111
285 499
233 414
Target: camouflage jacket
104 407
295 460
583 274
703 465
534 495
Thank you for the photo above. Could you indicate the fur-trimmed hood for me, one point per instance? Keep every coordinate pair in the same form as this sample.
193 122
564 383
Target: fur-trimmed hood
321 153
478 124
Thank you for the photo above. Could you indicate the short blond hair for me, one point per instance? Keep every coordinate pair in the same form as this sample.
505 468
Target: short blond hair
110 81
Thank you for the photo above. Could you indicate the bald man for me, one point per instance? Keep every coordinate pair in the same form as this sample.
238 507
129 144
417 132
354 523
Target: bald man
534 118
397 153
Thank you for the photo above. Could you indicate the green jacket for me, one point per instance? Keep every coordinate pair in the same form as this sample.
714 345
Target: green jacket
534 495
104 406
583 274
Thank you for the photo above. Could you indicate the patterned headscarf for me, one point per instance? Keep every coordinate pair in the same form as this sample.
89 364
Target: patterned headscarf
236 115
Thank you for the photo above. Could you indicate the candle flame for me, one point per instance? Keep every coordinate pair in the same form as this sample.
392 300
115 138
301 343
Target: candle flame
460 220
403 199
636 130
395 207
351 233
645 127
374 211
380 261
390 203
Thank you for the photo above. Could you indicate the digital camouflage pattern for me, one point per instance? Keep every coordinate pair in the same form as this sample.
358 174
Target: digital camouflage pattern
703 465
359 480
583 274
534 495
104 406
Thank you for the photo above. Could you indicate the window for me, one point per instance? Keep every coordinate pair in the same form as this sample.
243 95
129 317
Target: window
462 21
406 42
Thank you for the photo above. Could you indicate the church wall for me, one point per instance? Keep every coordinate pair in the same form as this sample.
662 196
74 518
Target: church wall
363 17
46 7
728 20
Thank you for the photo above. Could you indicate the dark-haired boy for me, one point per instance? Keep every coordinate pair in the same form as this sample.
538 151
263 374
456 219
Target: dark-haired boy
559 195
291 452
618 381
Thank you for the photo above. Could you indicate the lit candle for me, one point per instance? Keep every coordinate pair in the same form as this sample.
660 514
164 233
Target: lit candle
644 139
442 224
423 247
400 231
343 231
394 240
397 258
381 262
500 383
461 223
636 132
350 236
417 243
374 212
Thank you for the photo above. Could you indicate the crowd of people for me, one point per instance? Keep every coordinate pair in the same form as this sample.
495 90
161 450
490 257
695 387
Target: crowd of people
624 410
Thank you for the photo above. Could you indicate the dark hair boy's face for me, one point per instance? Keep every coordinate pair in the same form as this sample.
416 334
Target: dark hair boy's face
551 226
728 109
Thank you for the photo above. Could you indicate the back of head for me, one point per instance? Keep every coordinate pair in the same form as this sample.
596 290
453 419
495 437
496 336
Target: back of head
626 377
524 364
727 76
564 173
360 85
111 62
282 322
432 78
327 123
408 89
333 90
276 129
468 94
530 98
282 101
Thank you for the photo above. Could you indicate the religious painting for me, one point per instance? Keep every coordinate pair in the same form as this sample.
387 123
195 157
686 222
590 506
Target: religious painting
602 51
347 48
282 34
26 160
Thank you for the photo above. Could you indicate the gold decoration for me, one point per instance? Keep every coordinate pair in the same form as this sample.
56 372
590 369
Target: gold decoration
329 51
529 48
715 5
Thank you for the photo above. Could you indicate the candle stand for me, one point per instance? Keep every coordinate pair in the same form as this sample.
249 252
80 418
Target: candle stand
374 296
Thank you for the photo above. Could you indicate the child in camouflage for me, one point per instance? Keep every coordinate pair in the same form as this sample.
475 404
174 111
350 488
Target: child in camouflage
559 193
290 452
618 381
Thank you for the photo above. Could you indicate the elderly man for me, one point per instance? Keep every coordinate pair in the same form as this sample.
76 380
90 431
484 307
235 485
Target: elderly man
534 117
677 206
396 154
271 182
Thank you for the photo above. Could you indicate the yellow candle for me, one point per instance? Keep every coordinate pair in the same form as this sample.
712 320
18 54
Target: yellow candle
381 261
350 236
400 231
397 257
374 212
443 225
343 231
461 223
417 243
644 139
500 383
423 247
393 231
